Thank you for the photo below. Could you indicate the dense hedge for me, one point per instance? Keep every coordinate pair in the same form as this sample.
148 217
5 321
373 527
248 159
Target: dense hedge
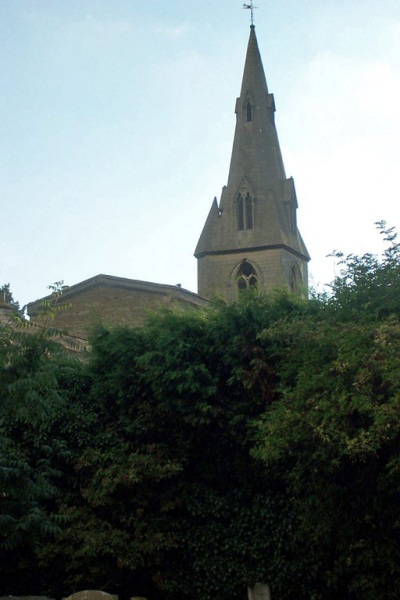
256 441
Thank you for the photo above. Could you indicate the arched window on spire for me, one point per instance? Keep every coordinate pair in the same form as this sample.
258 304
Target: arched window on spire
246 277
249 212
249 111
244 211
239 212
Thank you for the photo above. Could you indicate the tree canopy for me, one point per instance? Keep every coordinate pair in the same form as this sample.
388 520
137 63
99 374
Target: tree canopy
206 451
7 296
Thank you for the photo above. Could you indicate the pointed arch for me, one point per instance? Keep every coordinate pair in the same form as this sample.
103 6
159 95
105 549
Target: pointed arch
244 207
249 111
244 211
240 212
249 211
246 276
248 108
296 280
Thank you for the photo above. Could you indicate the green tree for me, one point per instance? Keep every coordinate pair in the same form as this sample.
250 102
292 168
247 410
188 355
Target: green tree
256 441
174 503
36 378
333 435
7 296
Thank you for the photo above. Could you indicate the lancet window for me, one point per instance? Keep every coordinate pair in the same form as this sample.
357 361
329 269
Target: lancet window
249 111
246 276
244 210
295 280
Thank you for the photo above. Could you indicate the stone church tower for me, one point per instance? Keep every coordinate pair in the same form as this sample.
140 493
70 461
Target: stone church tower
251 238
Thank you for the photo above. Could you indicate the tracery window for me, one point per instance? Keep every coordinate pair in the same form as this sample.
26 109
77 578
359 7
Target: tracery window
244 210
246 276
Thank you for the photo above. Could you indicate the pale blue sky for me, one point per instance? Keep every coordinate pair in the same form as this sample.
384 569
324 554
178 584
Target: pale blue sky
118 119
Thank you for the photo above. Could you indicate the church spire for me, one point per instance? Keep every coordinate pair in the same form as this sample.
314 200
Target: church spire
251 237
256 153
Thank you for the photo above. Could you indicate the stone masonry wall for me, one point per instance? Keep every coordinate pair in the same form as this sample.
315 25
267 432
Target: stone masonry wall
216 273
111 305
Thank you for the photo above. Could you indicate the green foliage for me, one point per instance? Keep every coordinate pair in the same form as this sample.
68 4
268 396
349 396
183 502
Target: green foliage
184 392
7 296
34 388
205 451
49 307
368 286
333 436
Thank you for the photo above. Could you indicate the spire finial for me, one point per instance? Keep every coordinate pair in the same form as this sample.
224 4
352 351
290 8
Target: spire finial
251 8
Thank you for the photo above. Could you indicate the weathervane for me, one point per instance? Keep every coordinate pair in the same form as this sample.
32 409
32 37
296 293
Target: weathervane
250 7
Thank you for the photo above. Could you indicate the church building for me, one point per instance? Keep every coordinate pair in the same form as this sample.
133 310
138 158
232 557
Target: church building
250 238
